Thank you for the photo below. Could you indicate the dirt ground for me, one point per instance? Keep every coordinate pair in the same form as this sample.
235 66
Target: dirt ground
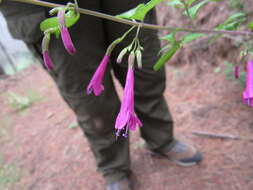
48 152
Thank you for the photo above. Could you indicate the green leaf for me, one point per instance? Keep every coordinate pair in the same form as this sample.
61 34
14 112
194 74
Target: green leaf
235 16
189 2
232 22
167 56
151 4
171 38
250 25
193 11
191 37
70 17
139 12
175 3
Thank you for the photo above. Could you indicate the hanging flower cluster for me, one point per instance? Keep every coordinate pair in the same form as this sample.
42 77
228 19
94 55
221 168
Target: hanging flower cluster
66 17
127 118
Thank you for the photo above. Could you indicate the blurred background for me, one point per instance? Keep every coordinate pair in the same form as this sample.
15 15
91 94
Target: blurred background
14 55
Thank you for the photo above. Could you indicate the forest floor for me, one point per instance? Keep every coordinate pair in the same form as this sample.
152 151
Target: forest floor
43 149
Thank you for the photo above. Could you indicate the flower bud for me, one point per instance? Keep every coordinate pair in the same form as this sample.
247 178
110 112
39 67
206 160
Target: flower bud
131 59
121 55
54 11
139 58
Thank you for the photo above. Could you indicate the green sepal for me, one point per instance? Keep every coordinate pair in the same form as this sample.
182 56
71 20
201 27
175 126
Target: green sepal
167 56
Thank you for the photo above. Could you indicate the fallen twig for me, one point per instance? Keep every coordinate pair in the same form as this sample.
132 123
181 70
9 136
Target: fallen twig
214 135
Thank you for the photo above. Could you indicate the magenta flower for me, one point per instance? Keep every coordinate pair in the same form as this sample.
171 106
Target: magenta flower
47 61
127 118
95 84
45 46
237 72
248 92
67 42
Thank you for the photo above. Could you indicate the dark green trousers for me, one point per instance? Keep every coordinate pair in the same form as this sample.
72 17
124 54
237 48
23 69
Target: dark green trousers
96 115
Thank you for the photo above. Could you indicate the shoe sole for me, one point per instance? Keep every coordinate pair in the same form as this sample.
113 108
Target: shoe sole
183 164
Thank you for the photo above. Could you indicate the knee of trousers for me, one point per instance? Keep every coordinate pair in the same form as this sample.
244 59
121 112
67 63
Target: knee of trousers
95 115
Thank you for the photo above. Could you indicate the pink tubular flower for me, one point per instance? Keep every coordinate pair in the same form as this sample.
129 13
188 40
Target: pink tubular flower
248 92
127 118
45 45
47 61
67 42
95 84
237 72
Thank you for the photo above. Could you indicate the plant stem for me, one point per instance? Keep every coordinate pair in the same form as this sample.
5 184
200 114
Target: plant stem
128 22
188 13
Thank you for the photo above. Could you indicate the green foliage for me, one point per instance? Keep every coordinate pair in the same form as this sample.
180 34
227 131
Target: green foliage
191 37
229 72
170 38
193 11
20 103
5 123
236 4
167 56
232 22
52 23
173 46
139 12
9 174
190 2
180 3
250 25
175 3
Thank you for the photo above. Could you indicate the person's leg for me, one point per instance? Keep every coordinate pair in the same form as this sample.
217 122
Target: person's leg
95 115
150 104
